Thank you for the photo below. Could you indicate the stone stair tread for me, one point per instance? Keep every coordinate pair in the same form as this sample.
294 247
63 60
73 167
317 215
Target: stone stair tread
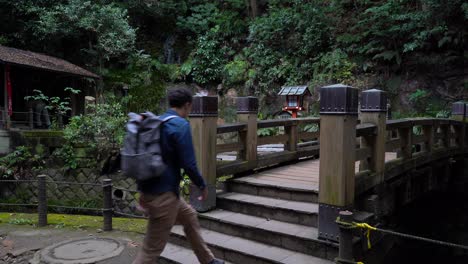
267 183
249 247
303 207
178 254
270 225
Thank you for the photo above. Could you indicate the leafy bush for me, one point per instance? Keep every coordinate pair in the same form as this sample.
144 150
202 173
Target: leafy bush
236 71
55 104
101 131
21 163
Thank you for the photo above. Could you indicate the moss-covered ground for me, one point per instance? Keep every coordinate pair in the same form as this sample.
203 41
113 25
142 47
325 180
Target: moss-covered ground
75 221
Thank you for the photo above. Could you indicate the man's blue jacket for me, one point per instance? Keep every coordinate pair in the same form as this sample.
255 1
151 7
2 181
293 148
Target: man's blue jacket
178 153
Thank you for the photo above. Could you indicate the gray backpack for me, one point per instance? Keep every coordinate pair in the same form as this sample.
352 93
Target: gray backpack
141 154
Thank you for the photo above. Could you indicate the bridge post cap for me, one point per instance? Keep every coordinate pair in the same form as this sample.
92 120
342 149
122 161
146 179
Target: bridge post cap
346 216
204 106
338 99
247 105
374 100
459 108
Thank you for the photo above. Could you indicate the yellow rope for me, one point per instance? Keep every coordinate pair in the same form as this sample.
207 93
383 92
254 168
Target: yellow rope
369 229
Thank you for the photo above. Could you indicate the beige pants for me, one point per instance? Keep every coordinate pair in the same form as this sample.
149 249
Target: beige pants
165 210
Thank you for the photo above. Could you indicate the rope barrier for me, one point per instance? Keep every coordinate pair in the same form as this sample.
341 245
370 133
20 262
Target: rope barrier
124 189
386 231
129 215
18 181
75 183
10 204
348 261
57 182
75 208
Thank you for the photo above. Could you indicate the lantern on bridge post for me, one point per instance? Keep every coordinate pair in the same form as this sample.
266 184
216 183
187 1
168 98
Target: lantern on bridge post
294 98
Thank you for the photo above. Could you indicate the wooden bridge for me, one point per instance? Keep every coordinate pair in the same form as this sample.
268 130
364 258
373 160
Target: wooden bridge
281 207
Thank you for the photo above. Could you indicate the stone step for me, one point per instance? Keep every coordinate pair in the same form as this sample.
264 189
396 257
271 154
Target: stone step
304 213
240 250
289 236
174 254
248 185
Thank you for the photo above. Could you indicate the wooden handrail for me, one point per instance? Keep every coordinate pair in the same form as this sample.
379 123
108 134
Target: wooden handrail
287 122
228 128
366 129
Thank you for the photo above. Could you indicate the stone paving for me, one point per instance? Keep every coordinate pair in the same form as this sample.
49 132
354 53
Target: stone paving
23 244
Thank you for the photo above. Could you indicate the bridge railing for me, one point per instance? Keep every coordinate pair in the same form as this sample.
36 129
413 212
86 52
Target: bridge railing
290 143
359 149
410 143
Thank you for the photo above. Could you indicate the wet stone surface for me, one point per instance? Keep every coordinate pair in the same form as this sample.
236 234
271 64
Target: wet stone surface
84 250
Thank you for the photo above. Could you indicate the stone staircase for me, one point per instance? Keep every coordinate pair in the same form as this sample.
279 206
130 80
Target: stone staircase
258 223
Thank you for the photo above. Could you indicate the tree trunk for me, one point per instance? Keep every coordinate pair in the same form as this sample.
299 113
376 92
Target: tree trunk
254 7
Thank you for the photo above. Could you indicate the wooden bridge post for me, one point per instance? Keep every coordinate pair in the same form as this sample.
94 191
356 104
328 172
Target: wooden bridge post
374 110
247 111
203 120
338 114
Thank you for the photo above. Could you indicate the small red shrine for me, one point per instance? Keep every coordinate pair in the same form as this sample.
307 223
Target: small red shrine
294 98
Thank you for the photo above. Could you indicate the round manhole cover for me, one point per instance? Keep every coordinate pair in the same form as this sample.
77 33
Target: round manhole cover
84 250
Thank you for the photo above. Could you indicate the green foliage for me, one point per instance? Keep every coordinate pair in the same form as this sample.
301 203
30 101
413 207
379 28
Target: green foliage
20 221
269 131
209 57
55 104
145 78
333 67
236 71
284 43
21 163
101 131
391 30
103 27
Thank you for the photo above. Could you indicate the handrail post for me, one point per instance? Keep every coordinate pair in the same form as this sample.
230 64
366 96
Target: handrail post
405 135
31 118
459 113
247 111
107 203
42 200
338 119
374 110
292 133
203 120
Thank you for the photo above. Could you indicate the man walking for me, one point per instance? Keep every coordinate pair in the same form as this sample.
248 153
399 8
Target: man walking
160 196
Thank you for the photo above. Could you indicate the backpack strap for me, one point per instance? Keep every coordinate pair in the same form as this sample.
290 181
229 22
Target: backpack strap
168 118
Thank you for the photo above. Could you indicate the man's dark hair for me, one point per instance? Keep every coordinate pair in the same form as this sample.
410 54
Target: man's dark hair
179 97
